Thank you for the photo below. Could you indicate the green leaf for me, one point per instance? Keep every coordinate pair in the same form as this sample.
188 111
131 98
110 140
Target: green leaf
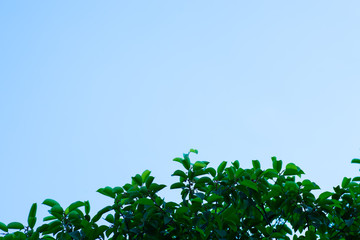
291 169
145 201
325 195
20 235
74 206
15 225
31 222
277 164
356 179
50 202
32 212
345 182
230 172
32 216
249 184
47 237
156 187
291 186
145 175
236 164
171 205
110 218
308 185
3 227
186 162
270 173
204 180
177 185
214 197
87 207
239 172
276 190
196 200
256 164
57 209
117 190
221 167
179 173
211 170
149 180
106 191
100 213
49 218
194 151
179 160
355 160
137 180
199 165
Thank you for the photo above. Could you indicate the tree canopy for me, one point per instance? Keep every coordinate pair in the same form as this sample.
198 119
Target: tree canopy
227 202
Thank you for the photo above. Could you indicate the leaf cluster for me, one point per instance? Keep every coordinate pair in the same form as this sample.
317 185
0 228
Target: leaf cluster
227 202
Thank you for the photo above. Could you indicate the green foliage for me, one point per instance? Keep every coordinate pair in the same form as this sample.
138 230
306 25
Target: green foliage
225 202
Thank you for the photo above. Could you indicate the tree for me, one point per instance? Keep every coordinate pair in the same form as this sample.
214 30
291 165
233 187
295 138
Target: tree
228 202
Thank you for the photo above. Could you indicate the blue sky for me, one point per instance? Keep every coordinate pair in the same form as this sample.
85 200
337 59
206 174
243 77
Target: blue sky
93 92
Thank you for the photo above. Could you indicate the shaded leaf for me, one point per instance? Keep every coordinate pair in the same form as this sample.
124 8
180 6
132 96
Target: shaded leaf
177 185
249 184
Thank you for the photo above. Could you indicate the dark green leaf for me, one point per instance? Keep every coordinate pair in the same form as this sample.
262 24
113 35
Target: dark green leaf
325 195
49 218
87 207
239 172
100 213
179 173
50 202
107 191
74 206
355 160
213 198
32 212
32 216
3 227
221 167
145 201
236 164
137 180
204 180
270 173
249 184
156 187
110 218
149 180
356 179
256 164
15 225
211 170
345 182
57 209
31 222
177 185
186 162
117 190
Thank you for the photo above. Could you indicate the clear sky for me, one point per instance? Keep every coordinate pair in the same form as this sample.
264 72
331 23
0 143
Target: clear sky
93 92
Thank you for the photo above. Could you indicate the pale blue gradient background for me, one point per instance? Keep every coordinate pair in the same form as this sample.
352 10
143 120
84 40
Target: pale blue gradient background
93 92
